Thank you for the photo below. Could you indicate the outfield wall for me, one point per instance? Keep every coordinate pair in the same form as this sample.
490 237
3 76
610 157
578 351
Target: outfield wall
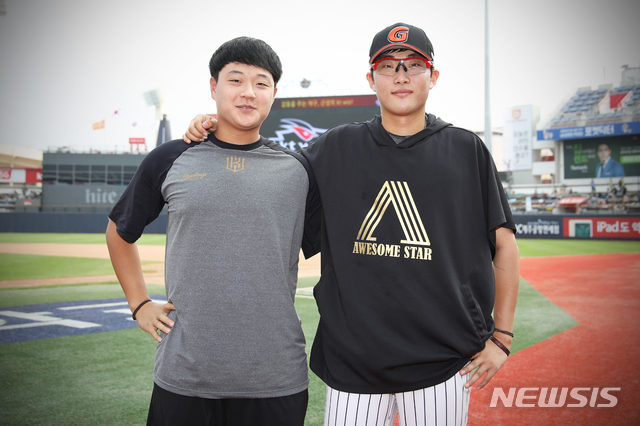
67 223
578 226
618 227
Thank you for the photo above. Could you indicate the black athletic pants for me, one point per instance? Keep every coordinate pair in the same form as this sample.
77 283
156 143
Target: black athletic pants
170 409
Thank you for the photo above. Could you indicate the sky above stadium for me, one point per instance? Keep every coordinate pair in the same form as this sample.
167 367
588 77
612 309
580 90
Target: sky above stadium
67 64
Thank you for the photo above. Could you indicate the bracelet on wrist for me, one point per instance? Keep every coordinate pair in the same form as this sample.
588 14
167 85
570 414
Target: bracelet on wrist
138 308
500 345
508 333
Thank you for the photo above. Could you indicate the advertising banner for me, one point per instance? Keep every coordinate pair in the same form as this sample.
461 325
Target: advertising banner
602 158
602 227
326 102
9 175
593 131
296 122
537 227
518 133
82 195
577 227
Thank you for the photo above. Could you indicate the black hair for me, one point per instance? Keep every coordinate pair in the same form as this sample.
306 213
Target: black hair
248 51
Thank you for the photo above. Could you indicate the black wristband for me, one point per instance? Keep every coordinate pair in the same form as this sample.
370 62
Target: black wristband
508 333
138 308
500 345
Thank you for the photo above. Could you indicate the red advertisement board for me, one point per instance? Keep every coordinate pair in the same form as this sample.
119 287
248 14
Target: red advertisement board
602 227
14 175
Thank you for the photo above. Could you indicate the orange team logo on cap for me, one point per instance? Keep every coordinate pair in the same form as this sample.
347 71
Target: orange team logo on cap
398 34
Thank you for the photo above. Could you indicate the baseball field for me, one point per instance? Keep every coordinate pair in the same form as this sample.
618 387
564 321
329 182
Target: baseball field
70 355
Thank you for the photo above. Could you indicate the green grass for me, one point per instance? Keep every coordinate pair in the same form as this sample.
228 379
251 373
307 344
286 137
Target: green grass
27 266
536 318
309 316
537 248
106 378
97 379
55 294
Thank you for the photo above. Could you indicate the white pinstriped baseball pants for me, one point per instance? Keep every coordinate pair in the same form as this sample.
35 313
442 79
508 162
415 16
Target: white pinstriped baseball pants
445 404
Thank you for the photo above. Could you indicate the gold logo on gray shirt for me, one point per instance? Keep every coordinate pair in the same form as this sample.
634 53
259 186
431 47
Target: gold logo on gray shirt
193 176
235 164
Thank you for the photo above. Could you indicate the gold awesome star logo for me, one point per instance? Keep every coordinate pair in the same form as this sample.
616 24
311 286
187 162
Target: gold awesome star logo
415 241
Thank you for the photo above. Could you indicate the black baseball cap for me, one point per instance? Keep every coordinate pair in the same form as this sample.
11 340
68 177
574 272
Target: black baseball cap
399 36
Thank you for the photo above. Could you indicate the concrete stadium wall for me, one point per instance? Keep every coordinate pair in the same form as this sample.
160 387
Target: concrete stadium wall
529 226
67 223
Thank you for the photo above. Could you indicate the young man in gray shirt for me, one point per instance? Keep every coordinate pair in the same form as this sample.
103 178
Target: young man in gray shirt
231 350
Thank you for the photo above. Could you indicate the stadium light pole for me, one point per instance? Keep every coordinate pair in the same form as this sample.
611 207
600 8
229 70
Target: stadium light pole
487 92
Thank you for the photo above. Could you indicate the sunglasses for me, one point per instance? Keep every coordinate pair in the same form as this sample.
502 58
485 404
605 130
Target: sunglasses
412 66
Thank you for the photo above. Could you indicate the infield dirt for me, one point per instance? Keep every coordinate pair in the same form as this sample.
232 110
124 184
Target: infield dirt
154 272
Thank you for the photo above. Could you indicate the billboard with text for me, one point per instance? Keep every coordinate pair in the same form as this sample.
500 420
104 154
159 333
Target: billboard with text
577 227
16 175
602 157
295 122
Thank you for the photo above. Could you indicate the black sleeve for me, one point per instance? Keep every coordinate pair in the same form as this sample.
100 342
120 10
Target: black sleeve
142 201
311 236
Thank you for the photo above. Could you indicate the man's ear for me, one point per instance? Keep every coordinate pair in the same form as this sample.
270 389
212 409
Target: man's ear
214 85
371 81
434 78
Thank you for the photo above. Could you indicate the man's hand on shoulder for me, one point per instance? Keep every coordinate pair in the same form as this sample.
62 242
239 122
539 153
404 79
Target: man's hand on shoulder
199 128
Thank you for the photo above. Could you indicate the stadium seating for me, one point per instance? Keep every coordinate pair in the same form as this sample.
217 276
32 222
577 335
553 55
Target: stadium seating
582 109
612 202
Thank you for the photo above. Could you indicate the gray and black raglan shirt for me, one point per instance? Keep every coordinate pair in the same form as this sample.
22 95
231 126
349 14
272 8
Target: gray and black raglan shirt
235 226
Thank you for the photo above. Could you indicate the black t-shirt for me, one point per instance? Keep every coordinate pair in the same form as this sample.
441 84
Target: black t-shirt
408 237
